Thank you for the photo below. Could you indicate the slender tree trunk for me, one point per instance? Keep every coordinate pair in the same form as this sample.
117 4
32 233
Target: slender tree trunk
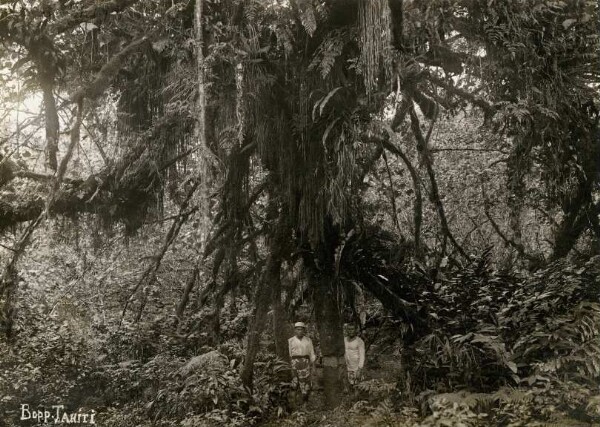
10 279
269 279
8 288
418 203
233 309
201 128
394 206
572 226
435 195
189 286
535 259
215 324
256 329
517 166
268 287
52 124
279 323
149 276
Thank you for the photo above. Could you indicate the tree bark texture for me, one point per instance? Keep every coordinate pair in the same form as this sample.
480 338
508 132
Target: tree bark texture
576 220
418 203
280 333
518 165
331 338
10 279
200 129
320 271
90 195
270 278
8 288
52 124
189 286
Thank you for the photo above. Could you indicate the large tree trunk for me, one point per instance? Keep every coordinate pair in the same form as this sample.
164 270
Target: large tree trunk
279 323
256 329
580 215
263 296
331 338
320 272
270 280
567 234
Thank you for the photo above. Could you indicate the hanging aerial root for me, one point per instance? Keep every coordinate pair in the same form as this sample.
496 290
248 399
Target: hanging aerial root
375 39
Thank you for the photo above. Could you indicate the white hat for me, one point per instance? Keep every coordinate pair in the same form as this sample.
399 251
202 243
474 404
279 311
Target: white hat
299 325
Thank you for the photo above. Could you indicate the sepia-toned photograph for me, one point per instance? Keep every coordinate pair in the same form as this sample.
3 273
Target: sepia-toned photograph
300 213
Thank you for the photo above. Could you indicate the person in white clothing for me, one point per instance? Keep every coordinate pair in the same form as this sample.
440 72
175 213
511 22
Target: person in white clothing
303 356
355 354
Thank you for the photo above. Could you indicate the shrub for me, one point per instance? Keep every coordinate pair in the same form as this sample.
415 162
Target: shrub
490 329
45 365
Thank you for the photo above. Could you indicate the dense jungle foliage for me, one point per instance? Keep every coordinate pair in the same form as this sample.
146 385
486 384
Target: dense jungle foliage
181 181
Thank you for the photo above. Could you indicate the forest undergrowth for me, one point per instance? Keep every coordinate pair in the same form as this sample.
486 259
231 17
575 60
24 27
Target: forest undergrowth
498 349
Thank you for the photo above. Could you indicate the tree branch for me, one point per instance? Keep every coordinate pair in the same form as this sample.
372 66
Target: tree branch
62 168
95 13
392 197
8 248
42 177
108 71
52 122
485 150
475 100
149 275
423 150
189 286
418 205
9 279
517 246
93 194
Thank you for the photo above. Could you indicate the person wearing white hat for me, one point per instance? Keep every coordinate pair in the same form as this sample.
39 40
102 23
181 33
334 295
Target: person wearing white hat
303 356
